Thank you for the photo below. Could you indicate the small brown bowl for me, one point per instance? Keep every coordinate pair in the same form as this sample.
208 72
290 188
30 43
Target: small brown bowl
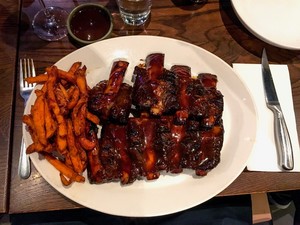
89 23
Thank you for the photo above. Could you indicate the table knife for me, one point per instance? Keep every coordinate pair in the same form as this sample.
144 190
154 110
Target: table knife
281 133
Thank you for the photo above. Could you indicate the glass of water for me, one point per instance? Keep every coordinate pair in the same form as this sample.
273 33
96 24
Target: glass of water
134 12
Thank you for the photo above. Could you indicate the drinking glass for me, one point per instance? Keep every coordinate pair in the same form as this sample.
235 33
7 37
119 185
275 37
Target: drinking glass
50 23
134 12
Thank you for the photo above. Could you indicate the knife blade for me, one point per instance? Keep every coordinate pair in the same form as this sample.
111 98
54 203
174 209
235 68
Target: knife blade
281 133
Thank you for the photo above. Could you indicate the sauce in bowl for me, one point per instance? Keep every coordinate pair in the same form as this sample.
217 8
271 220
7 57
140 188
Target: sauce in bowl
90 23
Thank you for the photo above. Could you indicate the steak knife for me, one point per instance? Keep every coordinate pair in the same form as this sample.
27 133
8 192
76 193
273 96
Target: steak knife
281 133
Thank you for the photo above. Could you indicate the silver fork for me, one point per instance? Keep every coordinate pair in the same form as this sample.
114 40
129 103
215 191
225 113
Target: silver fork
26 70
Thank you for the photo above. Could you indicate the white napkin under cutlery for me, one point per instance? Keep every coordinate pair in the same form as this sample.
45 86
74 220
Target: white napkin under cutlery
264 155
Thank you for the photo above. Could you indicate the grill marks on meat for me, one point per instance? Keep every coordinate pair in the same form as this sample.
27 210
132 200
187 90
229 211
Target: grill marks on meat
176 124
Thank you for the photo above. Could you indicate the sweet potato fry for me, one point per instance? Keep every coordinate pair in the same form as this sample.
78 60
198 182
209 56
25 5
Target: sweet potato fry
64 180
62 101
62 144
27 119
65 170
74 67
81 80
82 154
38 147
38 116
63 90
44 88
86 144
92 117
79 115
70 77
82 101
34 147
70 91
80 121
67 160
42 78
73 151
52 72
62 126
50 123
74 98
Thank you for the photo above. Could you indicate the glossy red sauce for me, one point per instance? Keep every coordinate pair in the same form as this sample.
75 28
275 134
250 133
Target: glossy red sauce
90 23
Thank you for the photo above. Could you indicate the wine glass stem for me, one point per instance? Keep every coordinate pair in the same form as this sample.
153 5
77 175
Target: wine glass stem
43 3
51 22
47 13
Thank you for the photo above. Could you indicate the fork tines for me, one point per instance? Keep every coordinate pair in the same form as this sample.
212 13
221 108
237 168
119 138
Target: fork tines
26 70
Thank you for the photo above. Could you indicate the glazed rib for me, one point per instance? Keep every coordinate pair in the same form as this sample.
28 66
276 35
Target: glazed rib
155 88
120 109
95 168
103 95
142 133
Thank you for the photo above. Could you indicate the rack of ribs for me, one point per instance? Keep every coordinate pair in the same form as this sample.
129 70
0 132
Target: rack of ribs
175 123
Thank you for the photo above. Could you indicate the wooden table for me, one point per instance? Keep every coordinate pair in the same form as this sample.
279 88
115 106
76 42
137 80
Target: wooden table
8 47
212 26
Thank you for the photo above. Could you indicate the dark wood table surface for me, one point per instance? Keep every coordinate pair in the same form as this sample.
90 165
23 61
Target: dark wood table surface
8 46
212 26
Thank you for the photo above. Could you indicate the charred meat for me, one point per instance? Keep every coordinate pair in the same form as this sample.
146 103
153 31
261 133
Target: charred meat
111 99
175 123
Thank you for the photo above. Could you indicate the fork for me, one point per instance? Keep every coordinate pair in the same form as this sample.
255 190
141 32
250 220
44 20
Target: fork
26 70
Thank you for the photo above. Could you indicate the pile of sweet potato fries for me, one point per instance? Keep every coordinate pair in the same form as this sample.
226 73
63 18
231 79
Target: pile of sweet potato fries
57 120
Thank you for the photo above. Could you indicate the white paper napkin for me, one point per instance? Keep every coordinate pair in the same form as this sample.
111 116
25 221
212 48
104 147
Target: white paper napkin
264 155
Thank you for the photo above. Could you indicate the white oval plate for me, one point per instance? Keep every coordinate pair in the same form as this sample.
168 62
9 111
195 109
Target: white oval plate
276 22
170 193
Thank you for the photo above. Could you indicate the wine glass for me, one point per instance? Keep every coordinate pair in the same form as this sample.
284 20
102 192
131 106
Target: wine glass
50 23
